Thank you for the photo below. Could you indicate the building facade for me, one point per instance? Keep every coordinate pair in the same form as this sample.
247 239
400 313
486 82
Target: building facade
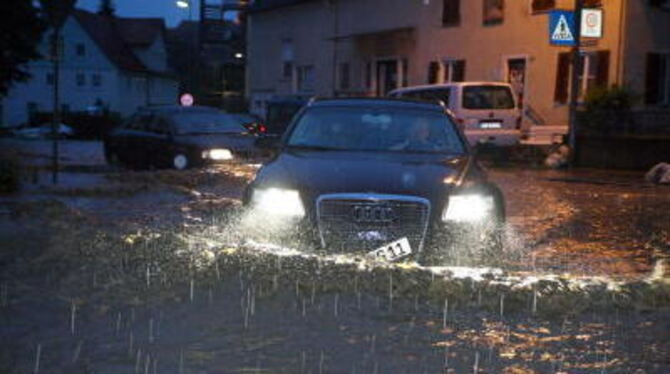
115 63
369 47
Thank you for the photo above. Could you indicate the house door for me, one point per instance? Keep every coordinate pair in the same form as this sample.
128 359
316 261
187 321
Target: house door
516 76
387 76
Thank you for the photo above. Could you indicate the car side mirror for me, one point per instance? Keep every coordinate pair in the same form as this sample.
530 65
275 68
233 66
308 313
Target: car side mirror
270 143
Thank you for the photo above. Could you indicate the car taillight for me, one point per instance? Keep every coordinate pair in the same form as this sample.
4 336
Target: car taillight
262 129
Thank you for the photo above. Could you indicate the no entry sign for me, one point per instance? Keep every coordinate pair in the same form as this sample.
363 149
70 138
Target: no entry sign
186 99
592 23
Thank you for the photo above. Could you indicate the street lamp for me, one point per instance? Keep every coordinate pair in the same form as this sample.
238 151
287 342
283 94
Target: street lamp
187 4
183 4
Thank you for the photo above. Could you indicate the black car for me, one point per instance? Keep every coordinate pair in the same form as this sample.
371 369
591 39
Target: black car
363 174
179 138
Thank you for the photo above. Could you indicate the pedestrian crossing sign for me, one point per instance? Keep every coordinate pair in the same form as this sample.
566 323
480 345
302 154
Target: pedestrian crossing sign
562 28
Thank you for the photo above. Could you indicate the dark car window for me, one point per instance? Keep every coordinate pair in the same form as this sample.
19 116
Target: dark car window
370 129
159 126
207 123
431 95
279 116
139 121
487 97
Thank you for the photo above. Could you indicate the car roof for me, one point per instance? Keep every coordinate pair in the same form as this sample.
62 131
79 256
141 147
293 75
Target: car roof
377 102
448 85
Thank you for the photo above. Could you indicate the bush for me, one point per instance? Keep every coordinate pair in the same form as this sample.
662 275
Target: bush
10 173
607 108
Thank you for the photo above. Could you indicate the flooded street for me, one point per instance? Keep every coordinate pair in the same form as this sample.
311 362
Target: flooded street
141 272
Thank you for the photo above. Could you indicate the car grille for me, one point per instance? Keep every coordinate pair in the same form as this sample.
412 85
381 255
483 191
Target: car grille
363 222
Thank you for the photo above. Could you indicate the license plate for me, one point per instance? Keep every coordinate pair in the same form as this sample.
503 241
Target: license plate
490 125
393 251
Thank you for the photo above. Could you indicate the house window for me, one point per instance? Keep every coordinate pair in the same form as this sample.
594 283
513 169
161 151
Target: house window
494 12
305 78
657 87
50 79
542 5
345 76
287 57
454 70
81 79
594 73
96 80
451 12
81 49
32 108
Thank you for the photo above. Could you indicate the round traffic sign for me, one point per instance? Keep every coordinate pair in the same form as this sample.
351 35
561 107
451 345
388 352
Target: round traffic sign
186 99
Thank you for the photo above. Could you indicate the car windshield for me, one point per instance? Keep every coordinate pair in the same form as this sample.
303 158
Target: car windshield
207 123
370 129
487 97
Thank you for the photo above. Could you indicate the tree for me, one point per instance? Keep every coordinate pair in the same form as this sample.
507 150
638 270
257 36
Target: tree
106 8
21 28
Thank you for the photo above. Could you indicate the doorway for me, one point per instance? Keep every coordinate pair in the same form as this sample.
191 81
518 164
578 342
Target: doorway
516 76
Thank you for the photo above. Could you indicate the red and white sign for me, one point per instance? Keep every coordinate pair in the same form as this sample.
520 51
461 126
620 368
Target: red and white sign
592 23
186 100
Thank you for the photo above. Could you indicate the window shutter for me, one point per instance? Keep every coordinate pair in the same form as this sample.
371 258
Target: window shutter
459 71
602 75
433 71
653 86
543 5
562 78
451 12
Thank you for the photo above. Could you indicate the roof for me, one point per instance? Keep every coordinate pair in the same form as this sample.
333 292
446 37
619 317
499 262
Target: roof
376 102
266 5
140 31
116 36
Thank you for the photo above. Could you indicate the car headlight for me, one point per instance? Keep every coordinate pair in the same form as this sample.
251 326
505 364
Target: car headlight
218 154
469 208
279 202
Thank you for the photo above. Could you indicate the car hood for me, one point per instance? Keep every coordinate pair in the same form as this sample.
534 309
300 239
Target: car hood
234 141
314 173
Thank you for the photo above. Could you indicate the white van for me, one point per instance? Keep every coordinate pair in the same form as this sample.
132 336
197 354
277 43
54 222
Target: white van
486 111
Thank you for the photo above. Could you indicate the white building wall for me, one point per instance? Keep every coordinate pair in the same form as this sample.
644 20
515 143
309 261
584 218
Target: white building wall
39 92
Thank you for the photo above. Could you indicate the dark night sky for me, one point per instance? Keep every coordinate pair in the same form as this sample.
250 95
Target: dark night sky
146 8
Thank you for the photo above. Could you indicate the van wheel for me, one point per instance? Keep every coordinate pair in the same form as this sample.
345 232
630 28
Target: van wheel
180 161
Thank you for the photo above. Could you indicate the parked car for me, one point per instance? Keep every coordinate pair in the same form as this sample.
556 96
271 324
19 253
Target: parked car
280 111
179 138
355 175
44 131
486 111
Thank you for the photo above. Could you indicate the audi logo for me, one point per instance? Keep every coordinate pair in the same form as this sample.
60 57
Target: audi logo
372 213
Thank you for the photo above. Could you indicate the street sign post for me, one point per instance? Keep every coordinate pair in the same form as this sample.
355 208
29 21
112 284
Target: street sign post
592 23
562 28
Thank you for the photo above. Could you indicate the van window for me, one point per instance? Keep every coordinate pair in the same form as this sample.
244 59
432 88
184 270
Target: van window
430 95
487 97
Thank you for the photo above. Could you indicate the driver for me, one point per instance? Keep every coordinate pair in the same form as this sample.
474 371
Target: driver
419 137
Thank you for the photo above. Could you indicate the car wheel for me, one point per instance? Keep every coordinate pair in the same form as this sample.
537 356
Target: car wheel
180 161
